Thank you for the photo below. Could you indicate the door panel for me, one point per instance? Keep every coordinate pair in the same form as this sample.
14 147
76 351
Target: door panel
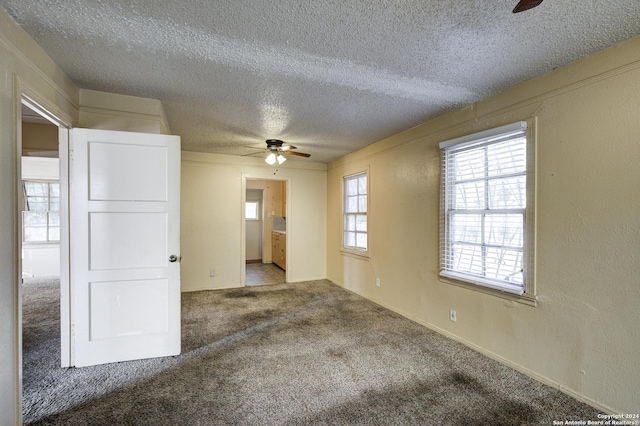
141 237
124 214
115 308
104 158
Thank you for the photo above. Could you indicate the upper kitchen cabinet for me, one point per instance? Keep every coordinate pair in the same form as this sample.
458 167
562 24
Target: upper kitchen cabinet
284 198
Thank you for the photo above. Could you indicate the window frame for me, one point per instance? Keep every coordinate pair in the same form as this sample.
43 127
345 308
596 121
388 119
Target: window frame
258 216
488 286
355 250
48 212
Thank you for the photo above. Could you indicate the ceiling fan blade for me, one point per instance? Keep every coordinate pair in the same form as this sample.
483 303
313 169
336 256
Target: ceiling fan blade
288 147
299 154
526 5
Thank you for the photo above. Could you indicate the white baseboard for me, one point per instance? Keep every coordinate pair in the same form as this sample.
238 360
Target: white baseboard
542 379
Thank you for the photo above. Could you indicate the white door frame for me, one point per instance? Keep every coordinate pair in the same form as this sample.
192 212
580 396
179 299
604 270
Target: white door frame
66 336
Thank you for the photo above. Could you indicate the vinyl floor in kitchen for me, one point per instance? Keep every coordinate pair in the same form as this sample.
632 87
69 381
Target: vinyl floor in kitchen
264 274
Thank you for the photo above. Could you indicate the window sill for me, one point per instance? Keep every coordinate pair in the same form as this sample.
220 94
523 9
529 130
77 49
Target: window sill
362 255
525 299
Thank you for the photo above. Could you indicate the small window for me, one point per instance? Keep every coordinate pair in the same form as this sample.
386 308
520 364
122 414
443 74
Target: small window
41 215
487 208
355 212
251 210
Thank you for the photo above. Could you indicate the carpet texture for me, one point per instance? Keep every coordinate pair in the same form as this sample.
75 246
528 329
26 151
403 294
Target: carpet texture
290 354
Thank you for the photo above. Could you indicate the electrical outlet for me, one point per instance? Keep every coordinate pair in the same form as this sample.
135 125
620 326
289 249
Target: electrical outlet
377 282
212 273
453 316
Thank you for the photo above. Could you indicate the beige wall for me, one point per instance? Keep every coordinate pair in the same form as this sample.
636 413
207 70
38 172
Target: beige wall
39 139
213 188
584 335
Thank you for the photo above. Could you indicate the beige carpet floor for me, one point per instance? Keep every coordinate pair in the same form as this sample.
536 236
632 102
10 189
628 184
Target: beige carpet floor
289 354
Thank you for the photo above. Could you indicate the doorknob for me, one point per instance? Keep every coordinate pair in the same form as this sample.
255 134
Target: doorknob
173 258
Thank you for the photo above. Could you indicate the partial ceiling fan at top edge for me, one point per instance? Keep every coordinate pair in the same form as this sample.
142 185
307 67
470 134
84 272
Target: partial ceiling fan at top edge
299 154
275 151
526 5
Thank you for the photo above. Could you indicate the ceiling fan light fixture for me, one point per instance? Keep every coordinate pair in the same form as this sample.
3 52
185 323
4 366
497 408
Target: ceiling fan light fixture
278 152
271 159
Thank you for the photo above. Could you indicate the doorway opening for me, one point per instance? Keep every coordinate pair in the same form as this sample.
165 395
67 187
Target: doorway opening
265 232
41 248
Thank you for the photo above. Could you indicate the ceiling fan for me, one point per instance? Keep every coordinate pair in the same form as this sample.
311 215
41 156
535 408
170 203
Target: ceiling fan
276 151
526 5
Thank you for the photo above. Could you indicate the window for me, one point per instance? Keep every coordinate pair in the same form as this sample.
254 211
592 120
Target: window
251 210
41 218
355 212
487 197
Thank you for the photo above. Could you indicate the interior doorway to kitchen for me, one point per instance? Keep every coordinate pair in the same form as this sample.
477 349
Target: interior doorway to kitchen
265 232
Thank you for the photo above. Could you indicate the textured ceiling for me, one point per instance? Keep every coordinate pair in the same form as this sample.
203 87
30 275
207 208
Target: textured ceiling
329 76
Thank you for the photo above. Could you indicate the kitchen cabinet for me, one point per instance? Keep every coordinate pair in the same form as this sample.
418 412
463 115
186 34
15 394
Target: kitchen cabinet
279 249
284 199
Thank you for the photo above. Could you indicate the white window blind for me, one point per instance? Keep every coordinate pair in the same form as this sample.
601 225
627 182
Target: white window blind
355 212
484 208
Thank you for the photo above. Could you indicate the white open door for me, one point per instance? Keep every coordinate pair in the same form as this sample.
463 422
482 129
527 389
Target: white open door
124 213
